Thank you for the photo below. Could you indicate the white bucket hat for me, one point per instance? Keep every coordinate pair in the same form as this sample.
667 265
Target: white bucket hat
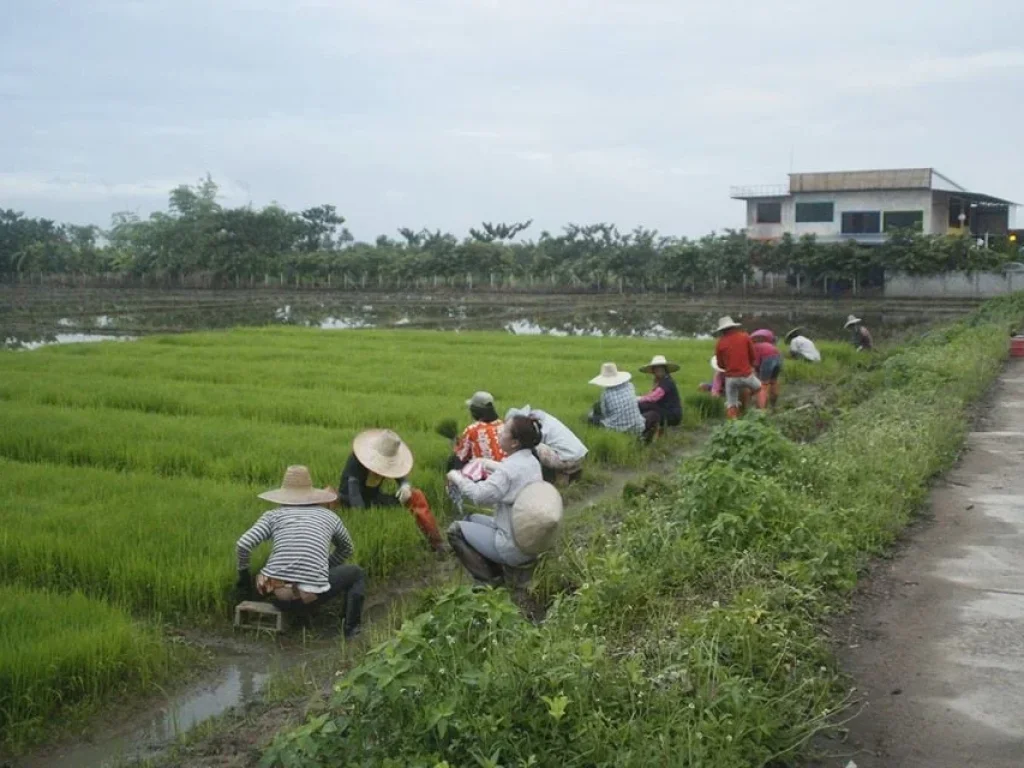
725 323
536 518
852 320
297 490
611 376
382 451
660 360
480 400
715 365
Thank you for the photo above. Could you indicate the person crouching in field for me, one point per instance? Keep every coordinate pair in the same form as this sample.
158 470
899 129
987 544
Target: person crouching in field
380 459
715 387
802 348
617 409
861 335
302 571
735 354
560 452
661 406
768 367
487 545
481 439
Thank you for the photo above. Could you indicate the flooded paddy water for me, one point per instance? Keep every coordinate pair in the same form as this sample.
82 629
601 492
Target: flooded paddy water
32 317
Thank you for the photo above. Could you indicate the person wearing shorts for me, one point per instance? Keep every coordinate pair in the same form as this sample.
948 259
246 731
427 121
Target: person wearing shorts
734 353
768 365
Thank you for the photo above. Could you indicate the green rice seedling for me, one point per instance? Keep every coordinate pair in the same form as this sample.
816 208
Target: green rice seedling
65 654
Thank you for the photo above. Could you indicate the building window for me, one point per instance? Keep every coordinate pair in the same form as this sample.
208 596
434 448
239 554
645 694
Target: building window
814 212
862 223
904 220
769 213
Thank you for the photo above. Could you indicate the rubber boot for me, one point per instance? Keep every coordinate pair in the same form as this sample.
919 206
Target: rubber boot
480 568
732 412
353 614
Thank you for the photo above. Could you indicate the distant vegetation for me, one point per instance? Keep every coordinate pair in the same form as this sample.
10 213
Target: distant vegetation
199 241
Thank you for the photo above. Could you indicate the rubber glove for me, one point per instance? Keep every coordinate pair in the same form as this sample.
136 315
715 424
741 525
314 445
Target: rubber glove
404 493
454 477
244 584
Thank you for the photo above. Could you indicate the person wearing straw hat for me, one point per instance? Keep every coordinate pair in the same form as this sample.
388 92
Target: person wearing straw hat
482 543
661 407
302 571
734 352
801 347
482 438
861 335
617 409
380 458
768 367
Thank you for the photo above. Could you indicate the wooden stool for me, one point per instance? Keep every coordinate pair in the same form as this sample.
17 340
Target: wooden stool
250 614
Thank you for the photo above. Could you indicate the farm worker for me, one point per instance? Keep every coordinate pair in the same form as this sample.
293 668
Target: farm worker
486 545
379 456
861 335
560 452
735 353
768 366
802 348
481 439
716 387
617 409
302 571
661 406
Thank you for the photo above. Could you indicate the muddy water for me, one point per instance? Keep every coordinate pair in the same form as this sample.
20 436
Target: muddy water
34 317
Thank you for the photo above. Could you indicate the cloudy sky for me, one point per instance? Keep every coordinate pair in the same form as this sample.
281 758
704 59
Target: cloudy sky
445 113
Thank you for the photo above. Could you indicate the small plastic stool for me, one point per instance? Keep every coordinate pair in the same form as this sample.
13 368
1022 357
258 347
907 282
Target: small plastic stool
250 614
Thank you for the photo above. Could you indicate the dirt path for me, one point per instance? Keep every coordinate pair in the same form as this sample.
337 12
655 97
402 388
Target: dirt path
937 648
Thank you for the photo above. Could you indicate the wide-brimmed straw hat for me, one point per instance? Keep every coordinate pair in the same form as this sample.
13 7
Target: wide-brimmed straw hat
659 360
382 451
852 320
725 323
789 336
763 333
536 518
297 490
715 365
611 376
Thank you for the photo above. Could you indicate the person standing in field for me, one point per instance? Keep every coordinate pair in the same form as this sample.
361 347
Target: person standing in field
482 438
802 348
302 571
487 545
560 452
661 407
617 409
861 335
380 460
768 366
735 354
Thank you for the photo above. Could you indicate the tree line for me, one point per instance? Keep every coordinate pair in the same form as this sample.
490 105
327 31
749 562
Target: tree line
197 238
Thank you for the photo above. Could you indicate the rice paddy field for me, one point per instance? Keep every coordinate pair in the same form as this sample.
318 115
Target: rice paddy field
128 471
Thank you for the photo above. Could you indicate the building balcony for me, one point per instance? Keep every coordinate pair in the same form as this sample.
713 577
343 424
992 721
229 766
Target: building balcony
764 190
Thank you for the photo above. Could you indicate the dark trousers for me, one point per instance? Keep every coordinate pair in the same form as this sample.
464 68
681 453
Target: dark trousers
347 579
654 419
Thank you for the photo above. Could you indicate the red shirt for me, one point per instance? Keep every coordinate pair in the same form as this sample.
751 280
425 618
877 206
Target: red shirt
480 440
735 352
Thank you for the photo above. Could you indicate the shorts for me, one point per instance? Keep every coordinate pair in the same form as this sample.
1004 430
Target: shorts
733 386
771 367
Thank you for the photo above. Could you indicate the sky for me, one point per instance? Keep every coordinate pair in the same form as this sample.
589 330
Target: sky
446 113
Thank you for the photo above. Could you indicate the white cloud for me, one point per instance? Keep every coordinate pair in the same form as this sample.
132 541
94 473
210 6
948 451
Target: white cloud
82 188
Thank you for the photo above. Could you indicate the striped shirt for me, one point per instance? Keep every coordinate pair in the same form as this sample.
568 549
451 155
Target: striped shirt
301 548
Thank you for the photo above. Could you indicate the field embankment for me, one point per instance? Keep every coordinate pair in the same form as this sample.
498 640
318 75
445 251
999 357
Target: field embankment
688 628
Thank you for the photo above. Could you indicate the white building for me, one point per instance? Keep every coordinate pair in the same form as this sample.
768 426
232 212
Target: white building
865 205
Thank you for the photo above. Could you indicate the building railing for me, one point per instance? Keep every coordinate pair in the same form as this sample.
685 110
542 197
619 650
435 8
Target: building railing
764 190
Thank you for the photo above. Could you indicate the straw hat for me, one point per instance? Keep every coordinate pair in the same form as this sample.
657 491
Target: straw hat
297 490
382 451
715 365
794 332
536 518
725 323
660 360
851 320
611 376
763 333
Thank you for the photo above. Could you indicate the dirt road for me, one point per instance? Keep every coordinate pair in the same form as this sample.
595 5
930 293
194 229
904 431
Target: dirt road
937 648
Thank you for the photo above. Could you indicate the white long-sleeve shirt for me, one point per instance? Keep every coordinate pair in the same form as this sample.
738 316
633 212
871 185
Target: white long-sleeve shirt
500 490
803 347
556 435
